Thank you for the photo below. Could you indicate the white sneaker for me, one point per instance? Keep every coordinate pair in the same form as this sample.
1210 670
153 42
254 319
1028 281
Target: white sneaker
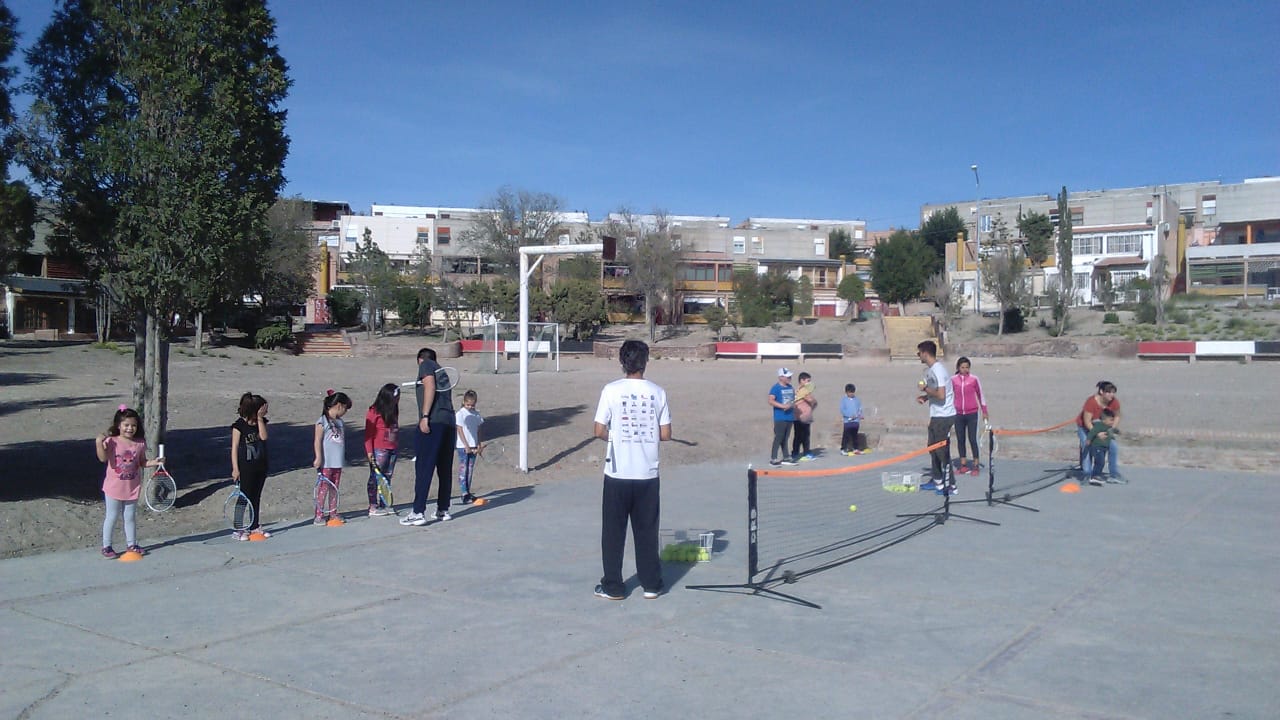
443 515
413 519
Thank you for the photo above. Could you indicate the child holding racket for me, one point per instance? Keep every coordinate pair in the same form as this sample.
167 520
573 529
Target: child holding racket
125 454
381 443
249 458
331 443
469 421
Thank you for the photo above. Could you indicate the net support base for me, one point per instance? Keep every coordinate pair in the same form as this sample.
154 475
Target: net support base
942 515
755 588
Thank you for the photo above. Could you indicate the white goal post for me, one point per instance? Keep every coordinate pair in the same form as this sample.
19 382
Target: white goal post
526 251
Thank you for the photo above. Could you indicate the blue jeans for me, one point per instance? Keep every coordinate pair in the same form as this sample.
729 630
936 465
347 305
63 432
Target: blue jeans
466 470
433 453
1086 461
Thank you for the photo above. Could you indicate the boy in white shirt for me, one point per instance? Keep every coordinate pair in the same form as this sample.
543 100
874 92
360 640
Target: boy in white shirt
468 420
632 417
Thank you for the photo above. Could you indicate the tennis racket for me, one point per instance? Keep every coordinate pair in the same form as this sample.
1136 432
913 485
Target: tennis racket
237 510
492 452
384 484
161 491
326 497
446 379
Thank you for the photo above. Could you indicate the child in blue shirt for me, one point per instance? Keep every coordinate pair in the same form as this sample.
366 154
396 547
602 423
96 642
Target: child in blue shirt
851 412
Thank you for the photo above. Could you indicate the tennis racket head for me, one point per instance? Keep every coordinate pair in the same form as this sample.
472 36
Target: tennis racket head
326 496
161 491
383 484
446 379
238 511
492 452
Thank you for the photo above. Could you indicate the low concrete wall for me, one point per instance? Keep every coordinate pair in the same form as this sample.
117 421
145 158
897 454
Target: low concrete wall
704 351
1048 347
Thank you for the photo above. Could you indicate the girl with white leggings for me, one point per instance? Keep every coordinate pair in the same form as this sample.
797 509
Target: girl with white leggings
125 454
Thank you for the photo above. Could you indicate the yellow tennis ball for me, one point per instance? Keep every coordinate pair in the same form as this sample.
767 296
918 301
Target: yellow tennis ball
853 508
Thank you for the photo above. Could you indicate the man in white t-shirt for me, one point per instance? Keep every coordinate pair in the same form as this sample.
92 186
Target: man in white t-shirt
936 390
632 418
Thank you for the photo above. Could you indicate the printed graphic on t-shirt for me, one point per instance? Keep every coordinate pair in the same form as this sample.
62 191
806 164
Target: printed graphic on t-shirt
127 464
638 419
252 450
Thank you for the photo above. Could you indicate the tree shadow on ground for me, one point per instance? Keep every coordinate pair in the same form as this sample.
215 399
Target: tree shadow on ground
61 402
196 458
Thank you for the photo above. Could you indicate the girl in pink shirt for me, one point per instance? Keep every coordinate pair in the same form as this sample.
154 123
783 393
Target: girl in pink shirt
969 400
125 453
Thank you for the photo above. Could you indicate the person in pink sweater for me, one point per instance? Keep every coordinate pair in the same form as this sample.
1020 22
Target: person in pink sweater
969 400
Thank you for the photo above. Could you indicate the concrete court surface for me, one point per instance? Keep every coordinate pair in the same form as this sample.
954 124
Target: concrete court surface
1153 600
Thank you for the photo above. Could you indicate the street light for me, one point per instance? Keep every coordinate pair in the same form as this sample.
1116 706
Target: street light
977 234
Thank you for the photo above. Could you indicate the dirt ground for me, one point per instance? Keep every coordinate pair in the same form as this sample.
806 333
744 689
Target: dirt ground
55 398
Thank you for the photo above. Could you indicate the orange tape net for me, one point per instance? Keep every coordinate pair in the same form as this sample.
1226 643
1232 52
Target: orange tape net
1062 424
853 468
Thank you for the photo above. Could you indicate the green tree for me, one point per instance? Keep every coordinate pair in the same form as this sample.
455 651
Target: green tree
717 317
372 269
939 230
1105 291
1062 297
803 303
652 260
839 243
579 304
1003 272
345 305
513 219
944 296
17 206
156 131
763 298
1037 233
853 291
900 267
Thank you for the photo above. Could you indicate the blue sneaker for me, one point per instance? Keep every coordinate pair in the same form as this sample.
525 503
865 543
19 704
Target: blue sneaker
807 457
947 491
931 485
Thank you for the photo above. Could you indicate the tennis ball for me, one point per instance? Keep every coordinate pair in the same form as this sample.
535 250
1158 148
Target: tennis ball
704 554
853 508
920 384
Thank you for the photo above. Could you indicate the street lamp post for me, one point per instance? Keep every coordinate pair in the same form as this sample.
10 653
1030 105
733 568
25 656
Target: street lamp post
977 235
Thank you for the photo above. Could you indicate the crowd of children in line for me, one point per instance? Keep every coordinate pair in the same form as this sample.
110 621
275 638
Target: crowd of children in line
122 448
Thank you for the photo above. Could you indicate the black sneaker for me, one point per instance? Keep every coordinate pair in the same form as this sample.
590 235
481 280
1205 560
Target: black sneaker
468 499
774 463
1095 480
600 593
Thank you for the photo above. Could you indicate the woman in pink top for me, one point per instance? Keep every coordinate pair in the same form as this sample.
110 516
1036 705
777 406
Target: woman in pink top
969 400
125 453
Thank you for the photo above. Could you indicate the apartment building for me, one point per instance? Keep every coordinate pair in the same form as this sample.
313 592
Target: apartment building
1120 232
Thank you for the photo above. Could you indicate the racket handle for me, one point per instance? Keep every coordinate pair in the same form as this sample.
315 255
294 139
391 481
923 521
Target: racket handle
161 449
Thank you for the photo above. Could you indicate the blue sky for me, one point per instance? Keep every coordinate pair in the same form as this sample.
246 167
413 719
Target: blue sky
822 110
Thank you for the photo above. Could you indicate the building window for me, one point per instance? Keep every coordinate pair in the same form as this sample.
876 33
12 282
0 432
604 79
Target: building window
757 244
1086 245
1077 216
424 236
443 236
1127 244
1209 205
820 247
739 244
726 273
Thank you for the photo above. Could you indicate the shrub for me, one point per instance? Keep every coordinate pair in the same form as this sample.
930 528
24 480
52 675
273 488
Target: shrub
1111 319
345 306
1014 320
272 336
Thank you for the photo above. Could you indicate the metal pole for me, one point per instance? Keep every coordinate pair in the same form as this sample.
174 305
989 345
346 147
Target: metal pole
525 271
977 234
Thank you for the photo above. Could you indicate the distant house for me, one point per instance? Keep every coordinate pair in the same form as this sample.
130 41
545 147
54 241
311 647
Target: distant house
46 298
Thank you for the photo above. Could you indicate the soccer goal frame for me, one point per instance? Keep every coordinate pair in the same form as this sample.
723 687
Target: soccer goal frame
502 340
